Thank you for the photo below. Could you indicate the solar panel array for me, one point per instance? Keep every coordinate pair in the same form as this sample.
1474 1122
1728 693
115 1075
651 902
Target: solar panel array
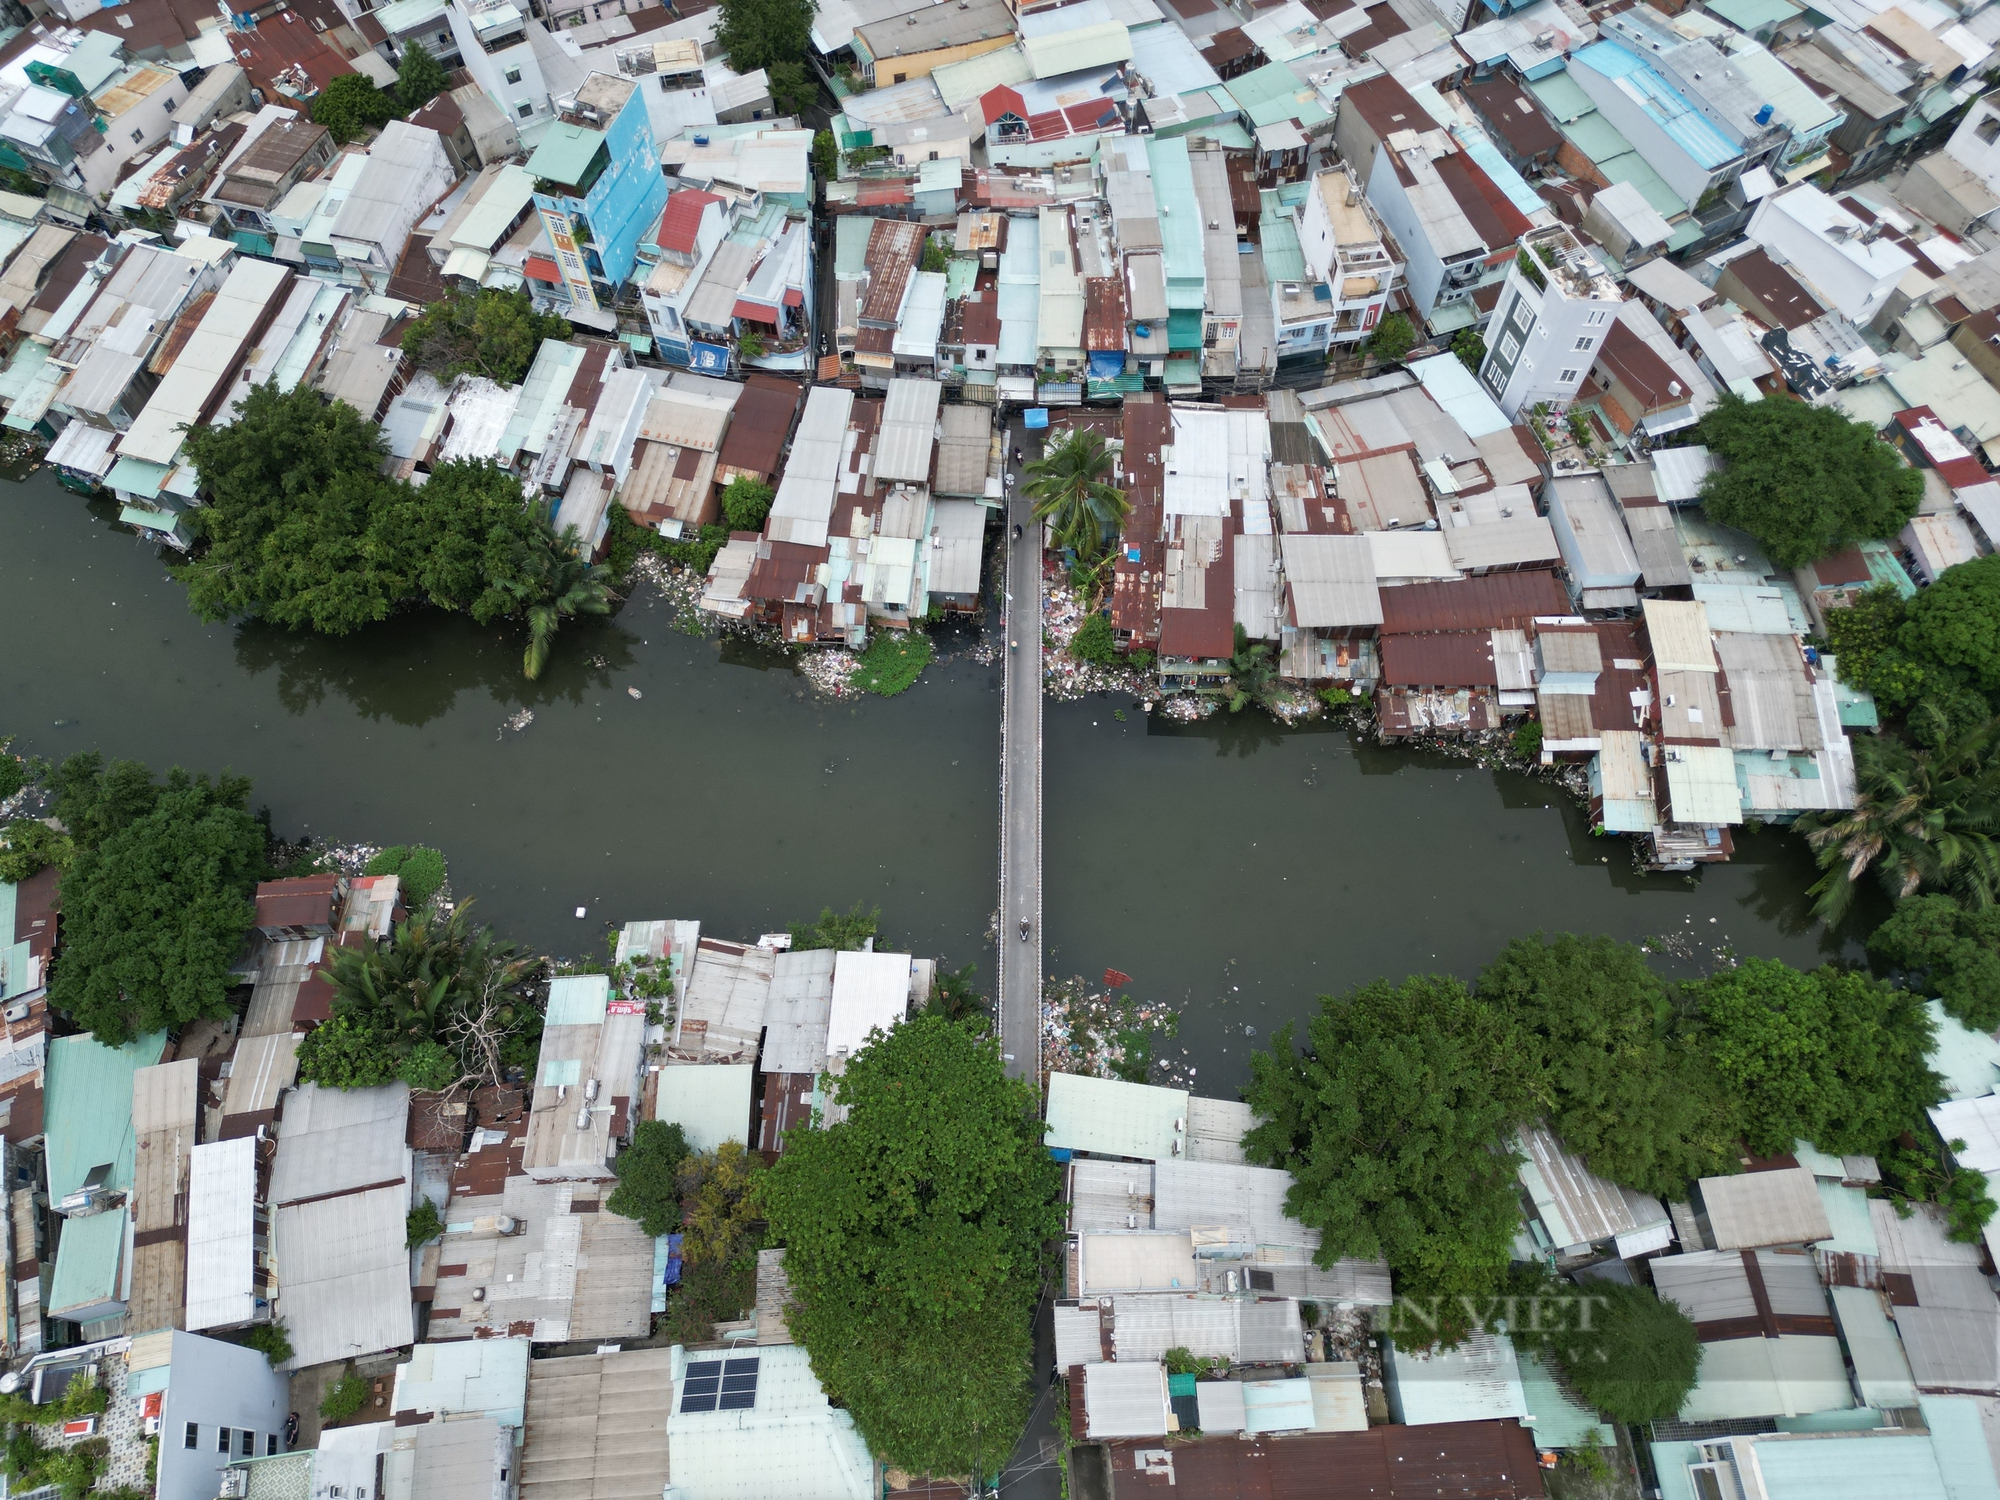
719 1385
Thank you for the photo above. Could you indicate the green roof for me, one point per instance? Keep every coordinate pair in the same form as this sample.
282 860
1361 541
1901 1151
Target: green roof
1635 169
1847 1211
1968 1061
850 246
1279 235
1557 1420
1180 217
1958 1441
88 1120
1274 92
577 1000
565 153
1597 138
1752 15
1563 96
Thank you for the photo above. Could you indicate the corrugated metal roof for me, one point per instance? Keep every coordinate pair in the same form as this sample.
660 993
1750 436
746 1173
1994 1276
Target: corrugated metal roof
804 501
336 1140
1136 1261
1679 634
801 999
344 1274
222 1234
1110 1117
1277 1406
1479 1380
489 1376
1248 1203
594 1426
1701 785
709 1101
1952 1348
1220 1406
1125 1400
1215 1129
903 444
1054 54
1678 473
1576 1205
1880 1367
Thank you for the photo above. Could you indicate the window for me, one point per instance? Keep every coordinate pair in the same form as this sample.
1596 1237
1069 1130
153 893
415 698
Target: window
1510 347
246 1444
513 75
1567 376
1988 129
1583 345
138 136
191 1438
525 110
1263 1281
1596 319
270 1445
222 1441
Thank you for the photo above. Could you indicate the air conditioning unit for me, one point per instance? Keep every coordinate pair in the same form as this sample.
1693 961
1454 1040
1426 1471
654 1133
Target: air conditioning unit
19 1010
234 1484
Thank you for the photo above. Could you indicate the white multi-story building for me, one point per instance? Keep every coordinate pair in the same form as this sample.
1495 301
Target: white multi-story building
1849 263
1555 308
515 62
1354 264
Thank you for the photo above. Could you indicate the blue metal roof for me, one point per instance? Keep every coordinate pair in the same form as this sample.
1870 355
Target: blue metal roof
1686 128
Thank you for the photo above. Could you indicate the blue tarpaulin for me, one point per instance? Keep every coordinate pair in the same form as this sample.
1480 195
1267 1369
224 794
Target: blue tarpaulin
1106 364
710 357
673 1276
1036 416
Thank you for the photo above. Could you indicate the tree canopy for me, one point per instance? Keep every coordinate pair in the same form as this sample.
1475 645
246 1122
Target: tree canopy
350 104
1951 952
649 1177
157 905
303 528
1940 647
836 930
1832 1056
1394 337
913 1234
746 502
1630 1355
755 34
1391 1122
1952 628
1804 480
420 77
1072 491
1621 1088
488 332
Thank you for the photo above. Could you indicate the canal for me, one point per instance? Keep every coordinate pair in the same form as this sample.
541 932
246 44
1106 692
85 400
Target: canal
1234 870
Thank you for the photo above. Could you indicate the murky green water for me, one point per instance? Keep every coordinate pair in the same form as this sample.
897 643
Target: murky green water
1232 869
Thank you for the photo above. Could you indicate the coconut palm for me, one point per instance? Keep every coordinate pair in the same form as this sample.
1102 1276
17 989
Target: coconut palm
556 582
1072 492
1253 673
1924 818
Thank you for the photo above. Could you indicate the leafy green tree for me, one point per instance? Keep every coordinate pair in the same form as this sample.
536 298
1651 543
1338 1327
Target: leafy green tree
746 502
1628 1354
1923 1173
1832 1056
914 1233
272 1340
1095 641
344 1398
420 869
1953 627
14 772
648 1171
1925 818
155 915
1470 349
457 541
422 1225
1802 479
1621 1088
489 332
94 800
294 487
1253 673
1393 337
793 87
936 257
825 156
350 1051
1950 952
555 582
1390 1122
717 1204
429 1067
893 662
420 78
1071 489
833 930
955 995
28 845
755 34
351 105
1866 637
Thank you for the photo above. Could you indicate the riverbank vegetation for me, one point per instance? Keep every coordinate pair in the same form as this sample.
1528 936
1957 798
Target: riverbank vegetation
892 662
914 1234
304 529
444 1005
1396 1111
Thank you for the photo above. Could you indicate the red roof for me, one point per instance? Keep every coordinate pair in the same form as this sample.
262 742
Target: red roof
756 312
877 194
1001 100
540 268
682 218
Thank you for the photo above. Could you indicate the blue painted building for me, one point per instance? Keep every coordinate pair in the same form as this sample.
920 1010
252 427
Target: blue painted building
599 189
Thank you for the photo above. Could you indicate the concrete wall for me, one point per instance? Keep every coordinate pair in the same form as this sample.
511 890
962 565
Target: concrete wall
215 1385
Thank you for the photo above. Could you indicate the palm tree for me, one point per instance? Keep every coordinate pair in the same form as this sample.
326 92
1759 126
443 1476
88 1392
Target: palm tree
1069 487
1253 672
555 581
1923 819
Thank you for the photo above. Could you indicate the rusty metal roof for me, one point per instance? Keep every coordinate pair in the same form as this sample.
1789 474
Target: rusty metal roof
1498 601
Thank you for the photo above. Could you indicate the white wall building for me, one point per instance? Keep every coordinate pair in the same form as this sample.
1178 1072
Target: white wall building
219 1402
407 172
1554 310
1847 262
